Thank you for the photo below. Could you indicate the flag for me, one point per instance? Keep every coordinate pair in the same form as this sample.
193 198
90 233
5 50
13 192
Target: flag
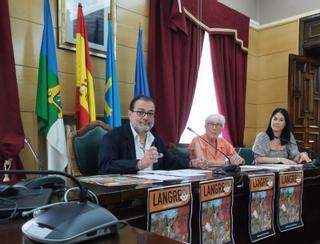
11 130
85 102
48 105
141 86
112 114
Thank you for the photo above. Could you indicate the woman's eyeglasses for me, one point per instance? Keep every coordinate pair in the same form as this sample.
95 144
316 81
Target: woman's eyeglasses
214 125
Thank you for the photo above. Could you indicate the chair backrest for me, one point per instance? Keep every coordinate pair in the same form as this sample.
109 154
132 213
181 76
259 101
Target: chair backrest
247 154
84 146
181 150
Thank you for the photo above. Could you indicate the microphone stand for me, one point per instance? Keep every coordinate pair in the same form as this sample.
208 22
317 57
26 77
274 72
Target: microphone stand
50 225
215 148
223 170
35 155
82 190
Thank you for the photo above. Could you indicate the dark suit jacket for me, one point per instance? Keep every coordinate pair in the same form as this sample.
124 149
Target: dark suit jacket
117 153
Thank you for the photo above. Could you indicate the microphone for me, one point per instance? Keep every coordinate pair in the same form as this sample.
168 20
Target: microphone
41 165
83 191
35 155
223 170
191 130
92 220
313 163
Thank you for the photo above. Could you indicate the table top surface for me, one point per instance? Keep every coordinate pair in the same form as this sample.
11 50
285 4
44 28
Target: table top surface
138 184
10 233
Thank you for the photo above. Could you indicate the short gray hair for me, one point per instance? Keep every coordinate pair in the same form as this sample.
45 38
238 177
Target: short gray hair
219 118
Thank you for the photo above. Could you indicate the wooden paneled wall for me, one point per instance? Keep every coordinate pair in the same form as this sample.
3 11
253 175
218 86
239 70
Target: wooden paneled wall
26 18
267 82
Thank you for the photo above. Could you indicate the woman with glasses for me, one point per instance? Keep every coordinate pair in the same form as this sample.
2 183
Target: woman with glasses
215 150
277 143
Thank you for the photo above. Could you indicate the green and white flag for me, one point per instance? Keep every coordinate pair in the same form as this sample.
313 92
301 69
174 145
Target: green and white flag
48 107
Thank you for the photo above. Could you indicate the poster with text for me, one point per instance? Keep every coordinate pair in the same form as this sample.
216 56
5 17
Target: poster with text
261 202
290 200
169 211
216 201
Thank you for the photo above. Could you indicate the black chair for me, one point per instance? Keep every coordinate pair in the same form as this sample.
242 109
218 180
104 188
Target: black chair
83 148
247 154
181 150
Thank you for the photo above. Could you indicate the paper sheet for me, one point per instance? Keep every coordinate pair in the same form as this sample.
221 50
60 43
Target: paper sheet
180 173
157 177
279 167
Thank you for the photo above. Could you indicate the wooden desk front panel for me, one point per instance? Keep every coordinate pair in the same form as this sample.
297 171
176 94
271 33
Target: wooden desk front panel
131 204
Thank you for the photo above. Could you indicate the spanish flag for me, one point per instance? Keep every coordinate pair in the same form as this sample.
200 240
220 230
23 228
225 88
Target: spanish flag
85 102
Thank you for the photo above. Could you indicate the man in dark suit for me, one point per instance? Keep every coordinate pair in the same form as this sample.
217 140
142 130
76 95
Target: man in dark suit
134 146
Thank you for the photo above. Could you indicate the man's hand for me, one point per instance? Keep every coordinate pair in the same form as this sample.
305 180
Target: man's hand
199 163
150 157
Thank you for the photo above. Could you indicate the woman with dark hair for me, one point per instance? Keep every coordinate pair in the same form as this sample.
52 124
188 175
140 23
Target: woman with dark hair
277 144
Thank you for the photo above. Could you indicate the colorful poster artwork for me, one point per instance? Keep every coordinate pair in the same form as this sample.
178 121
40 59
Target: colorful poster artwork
169 211
172 223
290 201
216 200
261 212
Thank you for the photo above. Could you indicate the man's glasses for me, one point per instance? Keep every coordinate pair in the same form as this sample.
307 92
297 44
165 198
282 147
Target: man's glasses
213 125
141 114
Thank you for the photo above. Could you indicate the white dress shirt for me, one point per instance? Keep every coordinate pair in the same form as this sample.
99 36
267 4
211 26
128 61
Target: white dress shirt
140 147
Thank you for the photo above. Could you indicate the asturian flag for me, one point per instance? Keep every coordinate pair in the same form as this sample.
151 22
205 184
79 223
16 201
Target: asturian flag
48 105
85 101
112 114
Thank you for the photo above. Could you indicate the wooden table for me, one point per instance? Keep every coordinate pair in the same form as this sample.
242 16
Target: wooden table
130 203
10 233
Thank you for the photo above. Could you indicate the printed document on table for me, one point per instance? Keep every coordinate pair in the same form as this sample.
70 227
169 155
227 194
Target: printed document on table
115 180
157 177
180 172
248 168
280 167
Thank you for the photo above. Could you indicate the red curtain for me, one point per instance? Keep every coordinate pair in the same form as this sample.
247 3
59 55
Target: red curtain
229 32
176 30
229 64
11 131
175 45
